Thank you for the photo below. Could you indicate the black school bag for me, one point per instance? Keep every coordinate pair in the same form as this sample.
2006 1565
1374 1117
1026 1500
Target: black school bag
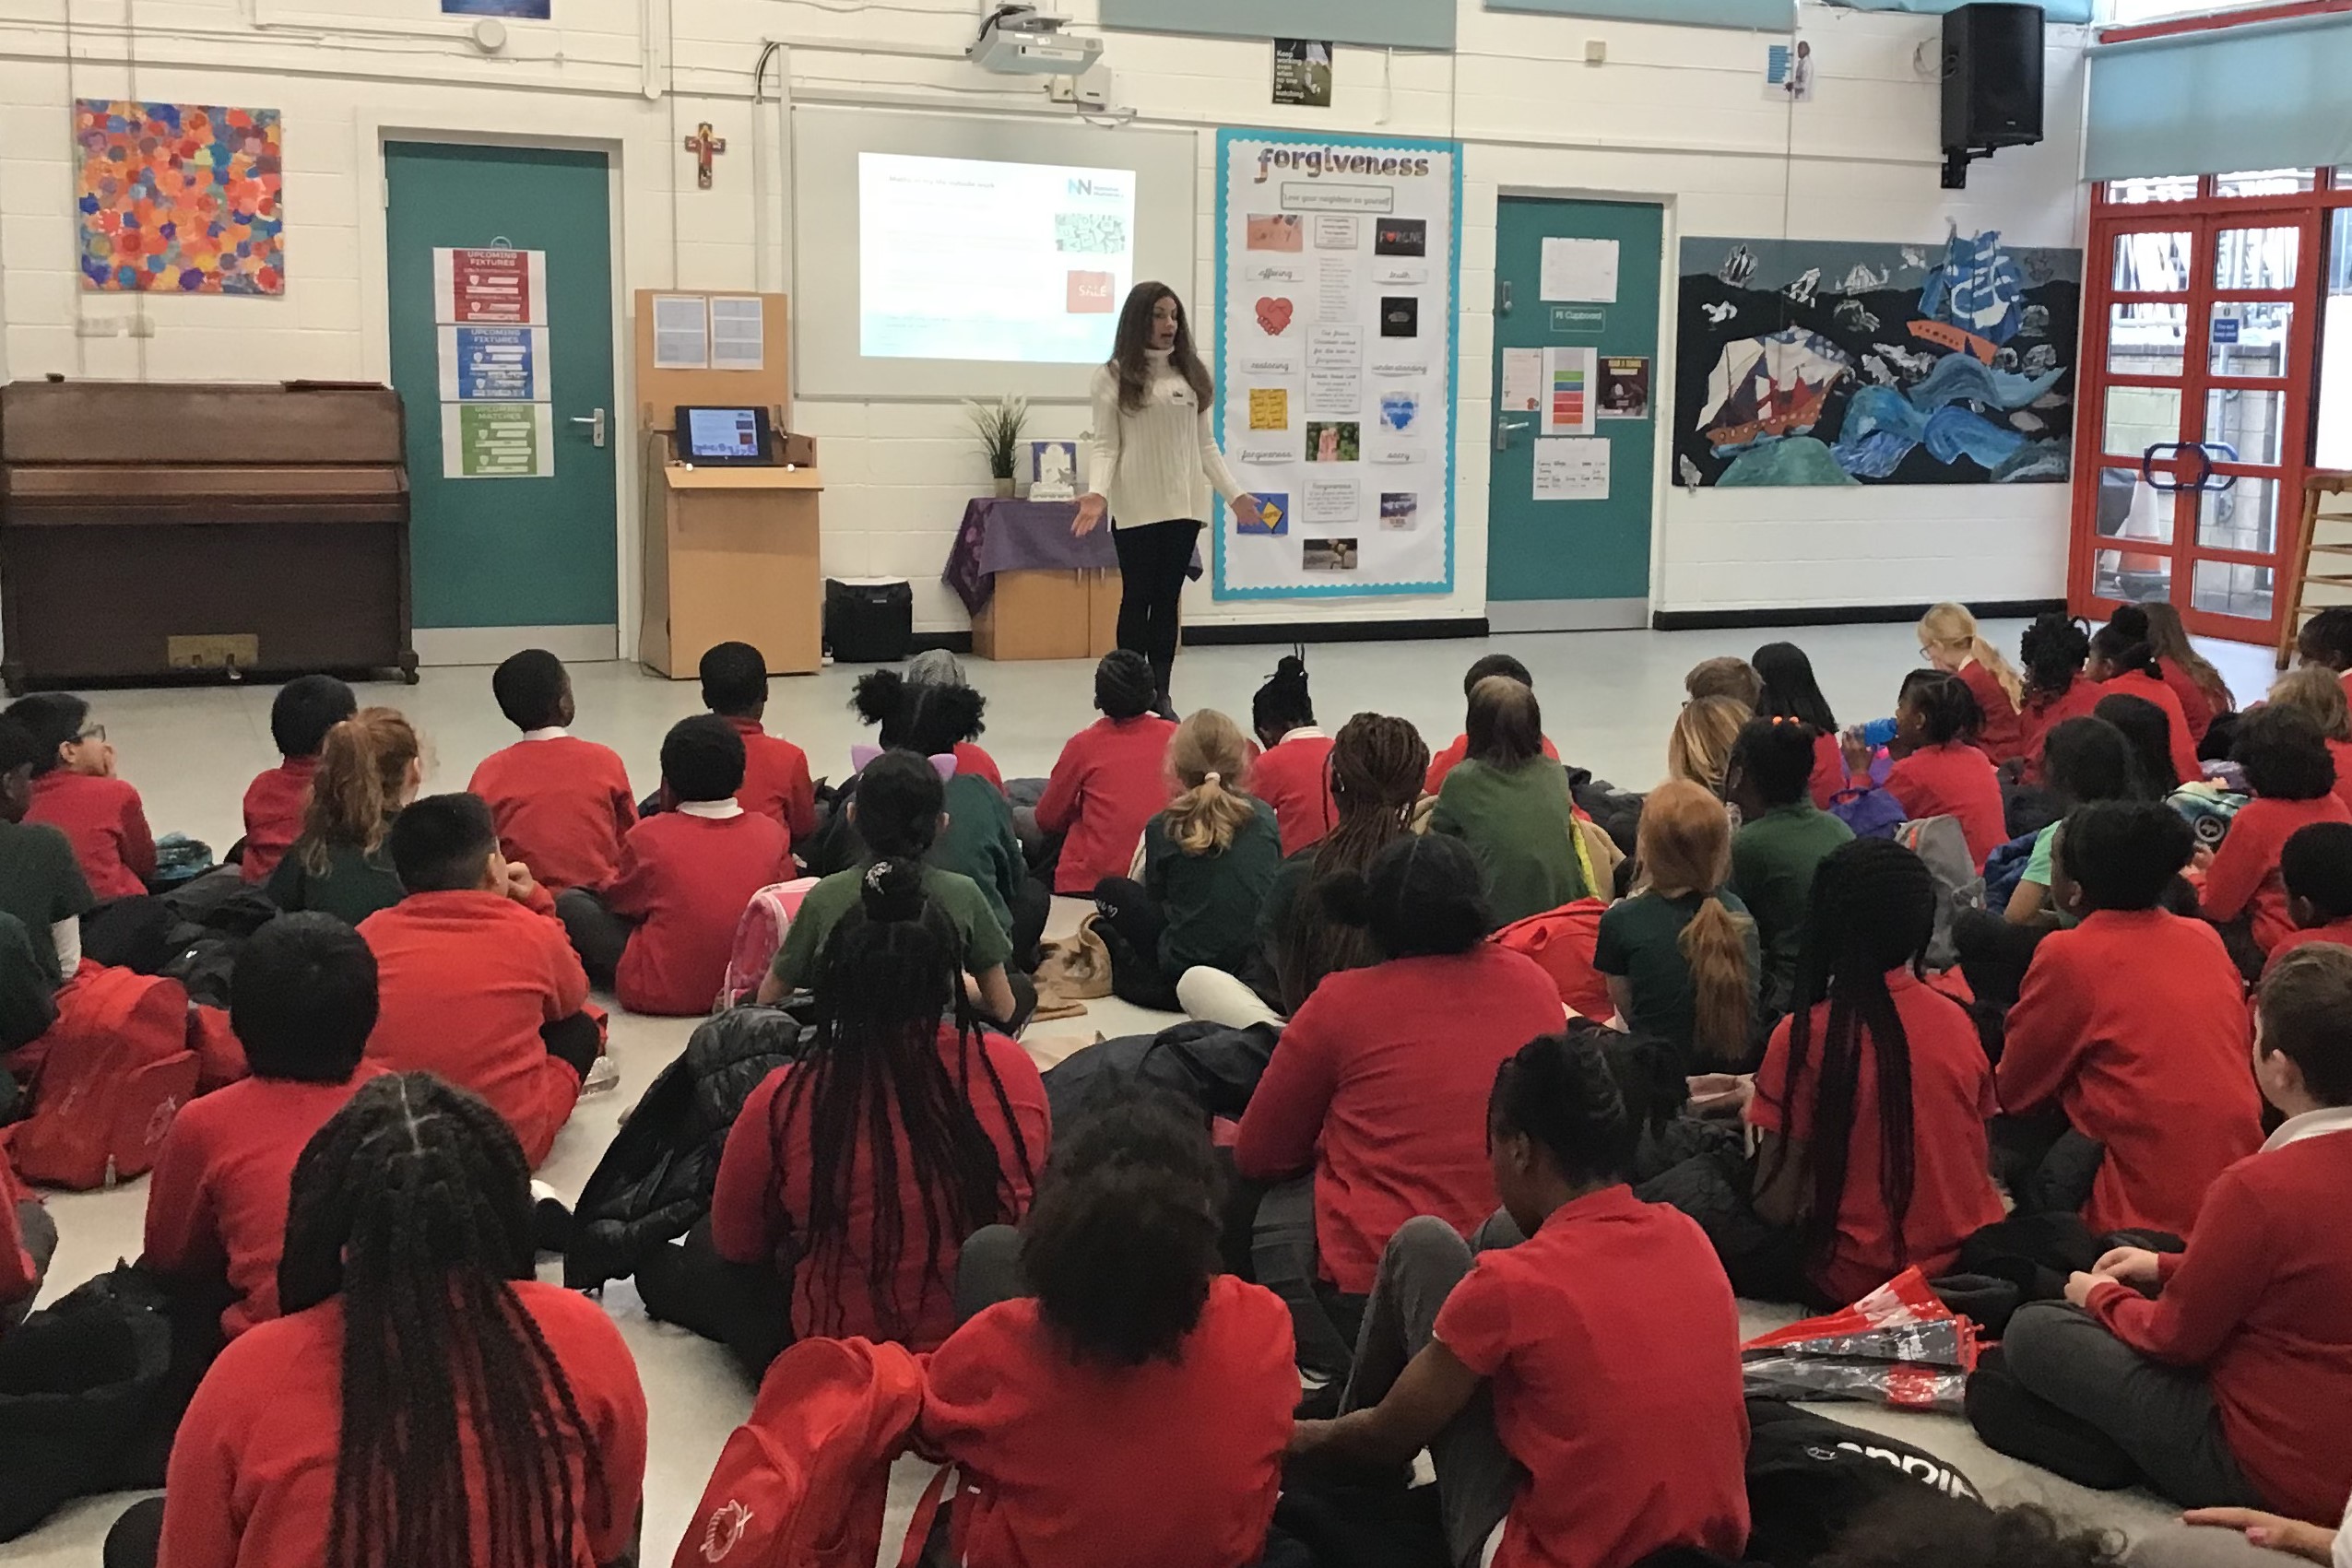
84 1403
1809 1475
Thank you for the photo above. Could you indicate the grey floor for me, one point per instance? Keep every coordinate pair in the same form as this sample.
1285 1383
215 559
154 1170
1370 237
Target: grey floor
1609 699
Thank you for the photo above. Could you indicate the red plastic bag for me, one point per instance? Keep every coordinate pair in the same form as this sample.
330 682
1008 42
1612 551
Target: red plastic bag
1897 1346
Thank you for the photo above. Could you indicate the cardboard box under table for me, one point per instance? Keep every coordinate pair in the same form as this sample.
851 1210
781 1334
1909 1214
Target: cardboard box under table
1032 590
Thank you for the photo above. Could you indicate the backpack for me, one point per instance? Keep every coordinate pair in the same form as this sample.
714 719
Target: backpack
1562 942
804 1482
117 1069
82 1398
1870 813
1958 884
1808 1477
759 936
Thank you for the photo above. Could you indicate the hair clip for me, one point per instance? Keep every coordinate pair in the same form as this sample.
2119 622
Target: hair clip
1211 778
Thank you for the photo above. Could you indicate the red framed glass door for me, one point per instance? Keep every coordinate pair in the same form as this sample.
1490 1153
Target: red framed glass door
2200 353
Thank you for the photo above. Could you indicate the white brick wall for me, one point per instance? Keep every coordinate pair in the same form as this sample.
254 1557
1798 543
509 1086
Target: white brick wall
1676 115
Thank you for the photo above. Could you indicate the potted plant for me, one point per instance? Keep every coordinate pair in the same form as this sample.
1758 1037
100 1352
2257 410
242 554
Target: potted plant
1000 425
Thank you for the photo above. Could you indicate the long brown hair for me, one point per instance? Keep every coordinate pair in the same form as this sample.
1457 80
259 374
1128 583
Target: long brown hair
1376 767
1130 347
1685 845
1207 755
1700 749
2170 640
363 772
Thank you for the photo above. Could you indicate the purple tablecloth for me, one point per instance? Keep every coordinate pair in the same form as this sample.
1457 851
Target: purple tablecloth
1024 535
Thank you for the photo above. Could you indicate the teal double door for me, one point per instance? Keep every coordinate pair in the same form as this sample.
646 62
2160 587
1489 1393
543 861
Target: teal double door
1556 564
491 547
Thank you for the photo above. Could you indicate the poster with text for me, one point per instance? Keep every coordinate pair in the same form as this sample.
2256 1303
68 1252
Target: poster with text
1338 285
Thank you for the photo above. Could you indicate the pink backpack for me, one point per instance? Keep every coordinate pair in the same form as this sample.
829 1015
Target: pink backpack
759 936
805 1483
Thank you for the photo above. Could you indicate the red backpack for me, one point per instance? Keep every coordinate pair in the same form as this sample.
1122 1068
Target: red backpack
1562 941
804 1482
116 1070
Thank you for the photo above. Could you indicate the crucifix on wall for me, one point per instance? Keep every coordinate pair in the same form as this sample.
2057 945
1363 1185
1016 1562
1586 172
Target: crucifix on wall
704 147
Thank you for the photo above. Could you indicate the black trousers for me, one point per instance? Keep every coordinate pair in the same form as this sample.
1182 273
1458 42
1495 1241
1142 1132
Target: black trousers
1131 929
1152 559
576 1041
597 935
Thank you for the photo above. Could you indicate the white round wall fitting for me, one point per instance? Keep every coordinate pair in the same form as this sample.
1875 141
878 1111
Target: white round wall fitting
490 35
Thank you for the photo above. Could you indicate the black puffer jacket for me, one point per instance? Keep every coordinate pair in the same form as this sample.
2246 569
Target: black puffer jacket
655 1180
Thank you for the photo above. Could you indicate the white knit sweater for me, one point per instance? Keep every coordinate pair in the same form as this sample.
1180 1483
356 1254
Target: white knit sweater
1161 461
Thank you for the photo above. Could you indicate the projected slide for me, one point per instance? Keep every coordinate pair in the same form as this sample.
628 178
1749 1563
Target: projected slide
960 259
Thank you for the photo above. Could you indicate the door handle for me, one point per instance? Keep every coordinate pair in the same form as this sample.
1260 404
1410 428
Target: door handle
1503 428
1503 297
595 426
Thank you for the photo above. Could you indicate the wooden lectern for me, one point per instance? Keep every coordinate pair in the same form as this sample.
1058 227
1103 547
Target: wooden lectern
731 553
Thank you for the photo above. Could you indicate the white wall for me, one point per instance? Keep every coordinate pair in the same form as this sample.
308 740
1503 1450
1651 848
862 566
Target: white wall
1676 115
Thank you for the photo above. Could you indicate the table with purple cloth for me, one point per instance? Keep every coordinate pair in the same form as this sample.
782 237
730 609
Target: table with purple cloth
1024 535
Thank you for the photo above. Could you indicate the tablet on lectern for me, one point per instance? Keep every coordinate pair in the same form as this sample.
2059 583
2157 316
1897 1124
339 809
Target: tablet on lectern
723 435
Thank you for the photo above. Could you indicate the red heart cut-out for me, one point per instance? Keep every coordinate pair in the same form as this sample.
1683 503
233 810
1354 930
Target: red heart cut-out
1274 316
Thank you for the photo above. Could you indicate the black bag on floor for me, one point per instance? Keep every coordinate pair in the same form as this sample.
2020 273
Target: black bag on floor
1216 1067
657 1176
82 1396
1345 1525
1809 1475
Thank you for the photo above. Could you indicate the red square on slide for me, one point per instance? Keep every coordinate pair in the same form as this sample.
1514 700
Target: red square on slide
1090 293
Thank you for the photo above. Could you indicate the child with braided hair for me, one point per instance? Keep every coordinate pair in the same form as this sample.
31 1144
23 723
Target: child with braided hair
2055 648
858 1172
1875 1091
1291 774
425 1402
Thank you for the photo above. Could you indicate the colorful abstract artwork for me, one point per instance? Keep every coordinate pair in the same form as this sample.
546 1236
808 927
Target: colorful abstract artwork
180 199
1824 362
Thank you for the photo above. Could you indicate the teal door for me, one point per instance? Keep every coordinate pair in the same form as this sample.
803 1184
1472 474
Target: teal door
528 538
1574 564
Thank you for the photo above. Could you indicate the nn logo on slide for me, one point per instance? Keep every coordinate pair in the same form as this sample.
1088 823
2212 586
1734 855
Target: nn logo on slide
1094 188
1090 293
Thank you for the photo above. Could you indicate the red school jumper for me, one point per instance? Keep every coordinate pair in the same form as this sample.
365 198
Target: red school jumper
2197 708
107 826
1828 769
1380 1086
1445 761
2243 878
2340 753
1953 779
1294 778
2135 1023
2042 715
972 760
2336 931
1070 1464
776 781
764 1180
1952 1098
216 1201
686 877
1612 1344
563 806
2139 683
274 806
252 1482
2262 1301
18 1276
1110 780
2001 735
465 982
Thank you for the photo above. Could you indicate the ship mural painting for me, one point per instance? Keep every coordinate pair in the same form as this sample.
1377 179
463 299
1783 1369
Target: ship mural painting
1830 362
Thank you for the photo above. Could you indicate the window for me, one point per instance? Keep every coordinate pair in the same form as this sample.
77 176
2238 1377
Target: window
2265 182
2164 188
2129 13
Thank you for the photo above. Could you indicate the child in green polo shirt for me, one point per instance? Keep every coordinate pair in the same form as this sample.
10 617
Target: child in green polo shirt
1782 837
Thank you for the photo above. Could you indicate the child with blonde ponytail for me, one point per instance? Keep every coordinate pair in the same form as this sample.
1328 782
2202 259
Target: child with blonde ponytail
1205 863
1949 640
1680 954
369 769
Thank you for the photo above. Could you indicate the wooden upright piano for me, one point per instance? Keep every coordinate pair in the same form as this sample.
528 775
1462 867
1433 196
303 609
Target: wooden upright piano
150 530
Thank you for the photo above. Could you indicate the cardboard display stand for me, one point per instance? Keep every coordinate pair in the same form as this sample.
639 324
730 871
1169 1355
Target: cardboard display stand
731 553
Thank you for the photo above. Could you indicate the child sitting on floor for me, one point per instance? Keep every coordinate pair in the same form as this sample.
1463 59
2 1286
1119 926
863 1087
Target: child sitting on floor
369 769
1680 954
1873 1095
898 812
1726 677
1949 641
41 879
2229 1388
1114 1395
2287 766
1783 838
1109 779
1790 692
2319 696
1698 748
304 991
2124 663
75 790
2133 1024
2204 695
1513 805
1609 1340
1293 774
1483 668
562 804
937 666
476 978
2055 648
853 1176
300 716
2326 640
662 934
776 784
1938 770
1209 860
2315 868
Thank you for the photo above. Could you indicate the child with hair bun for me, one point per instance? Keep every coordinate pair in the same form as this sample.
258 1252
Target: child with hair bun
1680 954
1208 862
1949 641
369 767
2054 648
1938 770
1109 779
1292 775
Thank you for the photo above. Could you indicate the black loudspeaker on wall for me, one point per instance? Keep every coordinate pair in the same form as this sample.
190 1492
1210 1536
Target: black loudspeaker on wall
1992 83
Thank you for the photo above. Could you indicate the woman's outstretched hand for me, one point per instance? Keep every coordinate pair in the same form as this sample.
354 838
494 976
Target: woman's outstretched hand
1089 515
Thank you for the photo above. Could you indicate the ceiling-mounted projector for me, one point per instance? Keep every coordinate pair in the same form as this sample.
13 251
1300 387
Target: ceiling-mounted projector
1017 41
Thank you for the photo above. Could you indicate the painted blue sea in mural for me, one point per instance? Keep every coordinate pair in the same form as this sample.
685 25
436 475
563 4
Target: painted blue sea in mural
1825 362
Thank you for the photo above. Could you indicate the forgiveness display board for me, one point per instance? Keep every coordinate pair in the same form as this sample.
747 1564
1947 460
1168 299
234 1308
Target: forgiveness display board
1339 280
